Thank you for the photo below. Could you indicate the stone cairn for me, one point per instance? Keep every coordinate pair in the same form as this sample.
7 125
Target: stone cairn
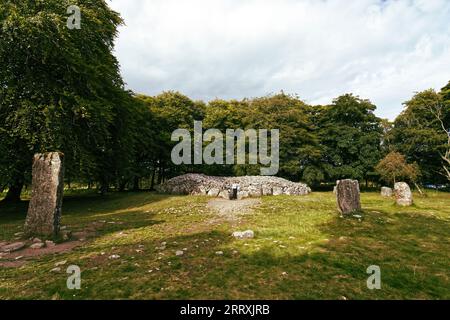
386 192
403 194
249 186
44 211
347 195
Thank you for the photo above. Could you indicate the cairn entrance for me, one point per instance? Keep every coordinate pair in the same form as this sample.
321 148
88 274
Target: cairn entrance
234 191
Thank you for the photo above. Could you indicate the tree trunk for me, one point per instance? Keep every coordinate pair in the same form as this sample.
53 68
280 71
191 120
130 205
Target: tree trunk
104 188
418 188
159 175
152 183
122 185
136 184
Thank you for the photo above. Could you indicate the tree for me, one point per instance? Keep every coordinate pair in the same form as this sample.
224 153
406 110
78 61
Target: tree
290 115
60 89
170 111
350 135
394 167
442 114
420 133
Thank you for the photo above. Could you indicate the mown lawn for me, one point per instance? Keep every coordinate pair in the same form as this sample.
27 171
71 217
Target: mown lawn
302 250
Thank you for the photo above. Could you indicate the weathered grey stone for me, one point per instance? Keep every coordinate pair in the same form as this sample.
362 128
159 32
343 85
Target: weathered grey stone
44 211
37 245
254 191
49 243
242 195
13 247
348 198
277 191
214 192
386 192
249 234
267 191
225 194
403 194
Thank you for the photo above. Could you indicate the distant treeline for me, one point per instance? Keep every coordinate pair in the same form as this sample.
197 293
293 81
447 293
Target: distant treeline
61 90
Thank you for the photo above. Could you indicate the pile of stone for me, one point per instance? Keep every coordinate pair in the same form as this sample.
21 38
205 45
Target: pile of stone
249 186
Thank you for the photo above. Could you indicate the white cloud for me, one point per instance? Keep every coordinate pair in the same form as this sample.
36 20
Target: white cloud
320 49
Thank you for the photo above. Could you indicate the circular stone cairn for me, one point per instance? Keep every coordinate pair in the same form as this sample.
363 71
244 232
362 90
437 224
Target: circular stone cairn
347 195
403 194
386 192
249 186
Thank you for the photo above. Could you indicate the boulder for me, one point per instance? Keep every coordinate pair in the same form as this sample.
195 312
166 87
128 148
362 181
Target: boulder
242 195
249 234
16 246
348 197
277 191
267 191
386 192
214 192
44 211
225 194
37 245
403 194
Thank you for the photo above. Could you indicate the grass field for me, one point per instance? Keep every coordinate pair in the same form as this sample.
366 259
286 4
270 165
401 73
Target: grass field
302 250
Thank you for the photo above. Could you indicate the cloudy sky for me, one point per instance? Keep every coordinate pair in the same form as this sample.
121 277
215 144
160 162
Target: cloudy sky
319 49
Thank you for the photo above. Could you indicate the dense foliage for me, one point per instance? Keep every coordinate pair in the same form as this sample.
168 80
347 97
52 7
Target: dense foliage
61 90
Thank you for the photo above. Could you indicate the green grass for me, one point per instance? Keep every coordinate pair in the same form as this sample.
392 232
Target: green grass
302 250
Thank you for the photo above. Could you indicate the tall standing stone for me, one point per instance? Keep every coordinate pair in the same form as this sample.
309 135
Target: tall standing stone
347 195
403 194
44 211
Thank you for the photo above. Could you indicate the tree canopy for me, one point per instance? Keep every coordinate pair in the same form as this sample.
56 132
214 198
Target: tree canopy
61 90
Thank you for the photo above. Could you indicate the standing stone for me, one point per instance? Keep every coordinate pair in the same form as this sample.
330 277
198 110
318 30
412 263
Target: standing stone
347 194
403 194
386 192
44 211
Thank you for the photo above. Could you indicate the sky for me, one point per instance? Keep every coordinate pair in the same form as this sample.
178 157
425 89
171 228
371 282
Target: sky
384 51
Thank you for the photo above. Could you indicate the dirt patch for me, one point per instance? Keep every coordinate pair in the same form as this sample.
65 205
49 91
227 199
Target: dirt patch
18 258
233 208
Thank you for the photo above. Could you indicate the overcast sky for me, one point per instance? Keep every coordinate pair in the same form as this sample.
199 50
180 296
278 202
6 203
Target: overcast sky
319 49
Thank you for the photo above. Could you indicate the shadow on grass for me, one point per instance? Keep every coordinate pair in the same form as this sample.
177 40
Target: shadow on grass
414 264
81 210
412 250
